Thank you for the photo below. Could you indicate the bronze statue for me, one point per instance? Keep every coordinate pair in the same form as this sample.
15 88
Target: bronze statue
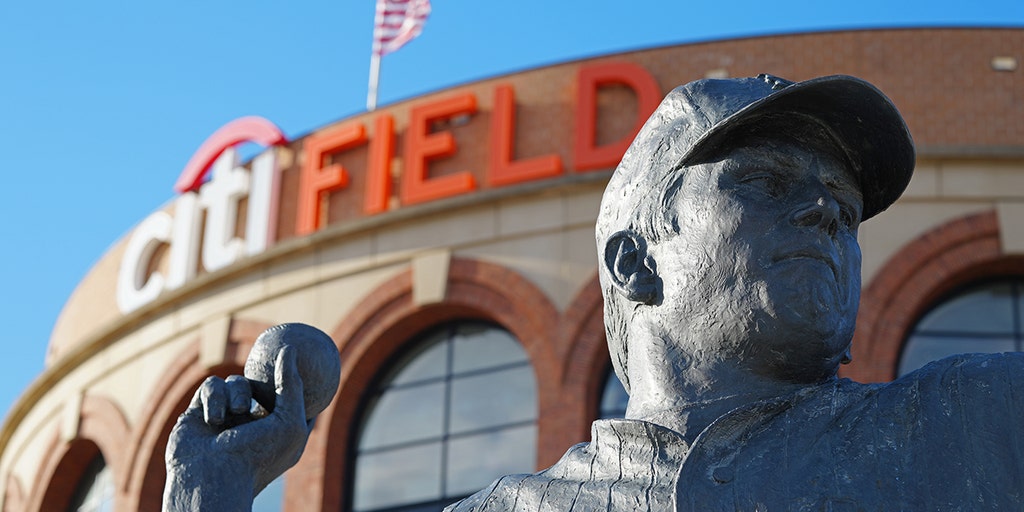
729 263
730 268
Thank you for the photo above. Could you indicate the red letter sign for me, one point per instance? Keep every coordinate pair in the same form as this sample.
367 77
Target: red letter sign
503 170
588 155
422 146
378 176
316 181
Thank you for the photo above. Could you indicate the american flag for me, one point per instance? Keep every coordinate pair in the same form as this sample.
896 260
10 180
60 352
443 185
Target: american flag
397 22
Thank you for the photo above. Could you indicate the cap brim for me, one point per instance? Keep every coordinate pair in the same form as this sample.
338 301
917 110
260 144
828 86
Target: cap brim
863 120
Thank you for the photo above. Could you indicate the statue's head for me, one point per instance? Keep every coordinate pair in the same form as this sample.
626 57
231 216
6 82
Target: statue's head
729 229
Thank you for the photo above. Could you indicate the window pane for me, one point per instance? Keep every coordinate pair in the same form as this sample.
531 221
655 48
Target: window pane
983 310
922 349
492 399
475 461
405 414
479 347
613 401
395 477
430 362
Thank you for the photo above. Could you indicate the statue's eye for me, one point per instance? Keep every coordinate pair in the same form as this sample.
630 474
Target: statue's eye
769 182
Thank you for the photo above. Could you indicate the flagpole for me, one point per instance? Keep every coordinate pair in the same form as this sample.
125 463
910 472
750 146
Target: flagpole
371 94
394 24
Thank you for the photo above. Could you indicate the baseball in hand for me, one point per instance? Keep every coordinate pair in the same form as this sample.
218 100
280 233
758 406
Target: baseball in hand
316 357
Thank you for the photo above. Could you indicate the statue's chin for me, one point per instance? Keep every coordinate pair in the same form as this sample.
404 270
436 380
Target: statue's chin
806 345
812 306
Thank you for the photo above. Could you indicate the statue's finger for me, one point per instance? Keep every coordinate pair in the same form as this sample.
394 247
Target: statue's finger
214 395
239 394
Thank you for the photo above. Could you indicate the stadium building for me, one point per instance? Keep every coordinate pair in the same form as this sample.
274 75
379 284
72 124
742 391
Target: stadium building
446 244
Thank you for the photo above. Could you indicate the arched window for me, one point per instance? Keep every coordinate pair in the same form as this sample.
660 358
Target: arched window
456 411
980 318
614 397
95 491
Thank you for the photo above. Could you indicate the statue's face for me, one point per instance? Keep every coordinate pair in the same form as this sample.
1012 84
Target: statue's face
765 270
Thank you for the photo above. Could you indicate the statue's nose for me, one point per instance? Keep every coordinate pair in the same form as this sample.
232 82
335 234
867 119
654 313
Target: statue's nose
821 212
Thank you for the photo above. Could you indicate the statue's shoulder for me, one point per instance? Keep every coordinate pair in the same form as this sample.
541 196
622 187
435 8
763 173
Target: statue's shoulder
615 465
949 394
966 371
532 491
503 494
966 386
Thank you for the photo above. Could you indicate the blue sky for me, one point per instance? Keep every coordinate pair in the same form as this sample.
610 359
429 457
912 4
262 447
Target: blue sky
103 102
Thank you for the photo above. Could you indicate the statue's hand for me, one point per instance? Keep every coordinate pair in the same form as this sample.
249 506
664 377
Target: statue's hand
219 454
225 403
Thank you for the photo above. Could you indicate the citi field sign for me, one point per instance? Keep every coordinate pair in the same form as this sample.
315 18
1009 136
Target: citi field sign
202 231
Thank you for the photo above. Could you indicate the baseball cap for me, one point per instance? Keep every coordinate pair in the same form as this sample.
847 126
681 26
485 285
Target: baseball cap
699 120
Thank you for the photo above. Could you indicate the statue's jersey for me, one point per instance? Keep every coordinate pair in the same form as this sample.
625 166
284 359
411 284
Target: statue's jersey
946 437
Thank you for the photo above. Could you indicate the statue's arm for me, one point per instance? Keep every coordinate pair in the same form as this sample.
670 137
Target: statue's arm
206 486
979 409
991 409
215 464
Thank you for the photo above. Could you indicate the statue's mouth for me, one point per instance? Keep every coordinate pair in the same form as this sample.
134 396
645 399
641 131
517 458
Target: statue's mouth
811 253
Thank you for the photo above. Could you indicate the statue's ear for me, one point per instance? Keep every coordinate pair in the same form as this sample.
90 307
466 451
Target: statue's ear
632 270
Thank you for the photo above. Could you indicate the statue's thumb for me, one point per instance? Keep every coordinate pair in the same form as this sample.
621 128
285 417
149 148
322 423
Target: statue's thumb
288 385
